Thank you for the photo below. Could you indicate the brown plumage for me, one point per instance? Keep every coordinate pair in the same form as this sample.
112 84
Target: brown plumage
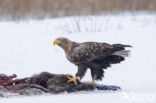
93 55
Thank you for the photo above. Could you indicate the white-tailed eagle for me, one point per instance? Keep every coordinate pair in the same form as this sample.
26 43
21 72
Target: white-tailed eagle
93 55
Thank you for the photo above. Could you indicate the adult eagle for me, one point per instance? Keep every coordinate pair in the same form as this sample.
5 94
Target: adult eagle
93 55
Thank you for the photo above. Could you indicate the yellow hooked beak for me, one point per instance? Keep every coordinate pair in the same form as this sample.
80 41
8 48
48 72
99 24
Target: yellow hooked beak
56 42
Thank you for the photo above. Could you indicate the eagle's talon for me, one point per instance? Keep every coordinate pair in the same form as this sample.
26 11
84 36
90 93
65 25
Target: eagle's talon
72 80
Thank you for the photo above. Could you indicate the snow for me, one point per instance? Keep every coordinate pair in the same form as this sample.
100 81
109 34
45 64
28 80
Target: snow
26 48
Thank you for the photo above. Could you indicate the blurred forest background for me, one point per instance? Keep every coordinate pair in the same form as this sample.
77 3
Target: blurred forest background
23 9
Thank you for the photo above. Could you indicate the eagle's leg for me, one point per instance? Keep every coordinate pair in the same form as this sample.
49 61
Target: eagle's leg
94 74
81 71
72 79
93 80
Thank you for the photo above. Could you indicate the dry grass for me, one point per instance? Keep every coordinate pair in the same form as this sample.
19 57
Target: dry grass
21 9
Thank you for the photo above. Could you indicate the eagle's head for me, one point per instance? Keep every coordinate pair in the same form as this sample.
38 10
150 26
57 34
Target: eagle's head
61 41
64 43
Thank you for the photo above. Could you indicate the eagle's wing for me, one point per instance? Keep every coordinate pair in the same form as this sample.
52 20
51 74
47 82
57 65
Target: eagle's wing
88 51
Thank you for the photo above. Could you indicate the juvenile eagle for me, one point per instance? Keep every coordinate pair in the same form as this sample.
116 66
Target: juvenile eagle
93 55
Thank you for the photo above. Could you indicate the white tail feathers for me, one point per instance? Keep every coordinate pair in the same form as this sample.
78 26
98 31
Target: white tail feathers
123 53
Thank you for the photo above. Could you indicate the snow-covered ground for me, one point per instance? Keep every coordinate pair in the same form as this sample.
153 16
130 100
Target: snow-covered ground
26 48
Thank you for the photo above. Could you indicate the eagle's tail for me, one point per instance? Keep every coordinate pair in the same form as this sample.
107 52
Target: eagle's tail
123 53
120 50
